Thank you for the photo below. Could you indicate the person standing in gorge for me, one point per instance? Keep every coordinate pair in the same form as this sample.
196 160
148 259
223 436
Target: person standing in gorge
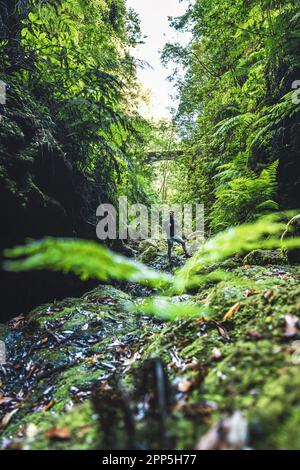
171 228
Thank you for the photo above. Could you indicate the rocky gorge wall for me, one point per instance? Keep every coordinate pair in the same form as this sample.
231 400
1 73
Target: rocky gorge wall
40 194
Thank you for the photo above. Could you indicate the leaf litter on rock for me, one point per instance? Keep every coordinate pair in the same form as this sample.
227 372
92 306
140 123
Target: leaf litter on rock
60 434
17 322
176 360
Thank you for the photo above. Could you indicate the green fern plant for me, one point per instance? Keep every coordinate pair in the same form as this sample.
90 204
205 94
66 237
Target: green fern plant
259 125
245 198
84 258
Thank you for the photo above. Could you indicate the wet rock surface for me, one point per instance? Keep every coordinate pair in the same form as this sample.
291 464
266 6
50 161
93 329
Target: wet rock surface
88 374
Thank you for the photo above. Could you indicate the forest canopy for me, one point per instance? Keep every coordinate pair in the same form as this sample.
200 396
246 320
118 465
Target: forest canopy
72 57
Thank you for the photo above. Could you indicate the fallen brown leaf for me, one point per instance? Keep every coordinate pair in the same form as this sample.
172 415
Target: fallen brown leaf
202 408
134 358
105 386
255 335
31 430
176 360
60 434
92 360
185 385
179 405
48 406
7 418
222 331
250 292
17 322
286 276
232 311
83 430
268 294
5 400
199 321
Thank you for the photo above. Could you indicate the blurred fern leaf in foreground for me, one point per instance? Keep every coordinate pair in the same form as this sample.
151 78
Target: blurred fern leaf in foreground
91 260
265 233
84 258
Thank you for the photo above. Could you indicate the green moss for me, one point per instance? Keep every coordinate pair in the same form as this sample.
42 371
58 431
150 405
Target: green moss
265 257
278 411
100 344
148 255
81 423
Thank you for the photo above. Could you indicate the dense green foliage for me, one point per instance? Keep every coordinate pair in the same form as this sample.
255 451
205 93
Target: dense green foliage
74 60
236 119
71 136
236 114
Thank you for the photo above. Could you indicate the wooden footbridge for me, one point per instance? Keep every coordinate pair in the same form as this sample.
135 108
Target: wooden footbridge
153 157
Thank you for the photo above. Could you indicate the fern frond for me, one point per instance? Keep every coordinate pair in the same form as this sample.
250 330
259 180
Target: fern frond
227 125
86 259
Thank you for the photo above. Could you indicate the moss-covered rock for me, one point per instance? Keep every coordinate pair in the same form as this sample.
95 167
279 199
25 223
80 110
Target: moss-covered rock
292 231
145 244
148 255
265 257
81 372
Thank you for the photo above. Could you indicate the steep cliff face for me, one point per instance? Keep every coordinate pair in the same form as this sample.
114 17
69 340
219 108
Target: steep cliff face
286 142
40 194
283 142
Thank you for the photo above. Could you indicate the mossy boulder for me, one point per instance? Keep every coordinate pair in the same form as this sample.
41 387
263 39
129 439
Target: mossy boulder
145 244
265 257
149 254
292 231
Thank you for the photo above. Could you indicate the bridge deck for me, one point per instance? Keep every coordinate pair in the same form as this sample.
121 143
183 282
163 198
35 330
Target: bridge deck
163 156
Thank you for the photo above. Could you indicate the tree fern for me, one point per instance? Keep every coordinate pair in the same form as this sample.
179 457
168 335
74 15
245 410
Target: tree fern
244 198
269 119
242 120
